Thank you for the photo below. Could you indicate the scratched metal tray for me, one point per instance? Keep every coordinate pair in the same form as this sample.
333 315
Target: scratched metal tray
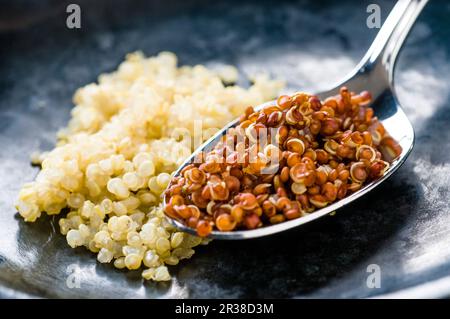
401 229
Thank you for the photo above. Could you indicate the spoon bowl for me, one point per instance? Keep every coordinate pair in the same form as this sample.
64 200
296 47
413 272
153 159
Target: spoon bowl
375 74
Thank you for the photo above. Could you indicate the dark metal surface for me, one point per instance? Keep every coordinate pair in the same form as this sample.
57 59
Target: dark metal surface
403 226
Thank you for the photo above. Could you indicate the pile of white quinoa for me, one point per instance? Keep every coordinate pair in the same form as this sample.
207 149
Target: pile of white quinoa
127 134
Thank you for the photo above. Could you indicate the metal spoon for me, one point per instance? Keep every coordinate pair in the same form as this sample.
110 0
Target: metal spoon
373 73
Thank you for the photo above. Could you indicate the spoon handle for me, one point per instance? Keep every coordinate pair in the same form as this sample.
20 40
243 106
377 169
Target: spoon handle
375 70
393 33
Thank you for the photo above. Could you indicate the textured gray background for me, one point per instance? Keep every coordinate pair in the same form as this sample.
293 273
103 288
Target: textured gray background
403 226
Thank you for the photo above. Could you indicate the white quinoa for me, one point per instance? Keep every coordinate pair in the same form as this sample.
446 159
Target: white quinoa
115 157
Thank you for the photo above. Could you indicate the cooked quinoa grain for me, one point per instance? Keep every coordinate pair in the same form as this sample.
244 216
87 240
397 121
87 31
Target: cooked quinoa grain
126 136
